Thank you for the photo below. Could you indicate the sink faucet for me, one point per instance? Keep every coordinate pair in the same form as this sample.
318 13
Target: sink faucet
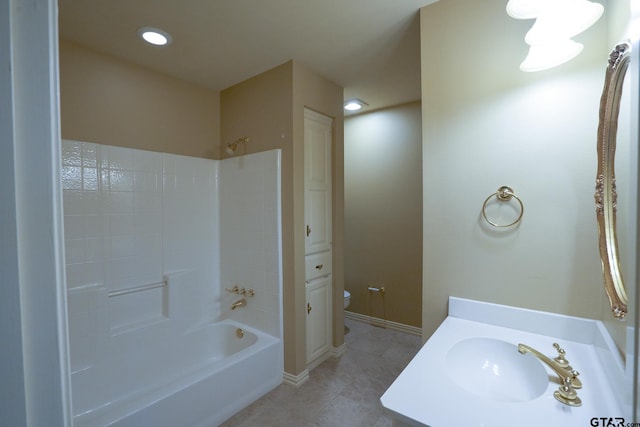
240 303
568 376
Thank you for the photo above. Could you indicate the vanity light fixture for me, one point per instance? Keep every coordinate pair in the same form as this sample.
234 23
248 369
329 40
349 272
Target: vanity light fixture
155 36
557 21
355 105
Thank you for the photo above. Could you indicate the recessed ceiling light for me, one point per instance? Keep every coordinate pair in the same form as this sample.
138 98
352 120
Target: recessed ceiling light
155 36
354 105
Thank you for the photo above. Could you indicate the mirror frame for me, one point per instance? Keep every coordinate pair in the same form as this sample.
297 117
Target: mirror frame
605 195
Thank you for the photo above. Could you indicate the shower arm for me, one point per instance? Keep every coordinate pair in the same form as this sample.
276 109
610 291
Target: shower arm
233 146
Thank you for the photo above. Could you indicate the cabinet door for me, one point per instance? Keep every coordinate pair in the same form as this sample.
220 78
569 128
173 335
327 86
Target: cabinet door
318 317
318 216
317 182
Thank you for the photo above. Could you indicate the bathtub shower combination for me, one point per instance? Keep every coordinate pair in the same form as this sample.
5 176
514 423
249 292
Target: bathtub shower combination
154 243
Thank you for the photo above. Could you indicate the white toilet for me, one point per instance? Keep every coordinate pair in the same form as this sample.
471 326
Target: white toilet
347 298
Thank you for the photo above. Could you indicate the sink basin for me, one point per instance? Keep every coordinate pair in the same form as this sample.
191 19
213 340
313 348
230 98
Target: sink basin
494 369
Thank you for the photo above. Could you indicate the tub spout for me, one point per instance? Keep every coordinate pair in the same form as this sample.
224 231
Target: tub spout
240 303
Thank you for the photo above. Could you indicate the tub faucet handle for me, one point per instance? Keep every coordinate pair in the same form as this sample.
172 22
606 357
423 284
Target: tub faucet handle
233 290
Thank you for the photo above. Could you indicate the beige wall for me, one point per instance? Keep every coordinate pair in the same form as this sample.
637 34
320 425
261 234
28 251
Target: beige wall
487 124
383 213
269 108
109 101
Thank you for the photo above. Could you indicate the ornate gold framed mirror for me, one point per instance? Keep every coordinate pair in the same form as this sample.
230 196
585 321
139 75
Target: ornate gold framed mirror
605 195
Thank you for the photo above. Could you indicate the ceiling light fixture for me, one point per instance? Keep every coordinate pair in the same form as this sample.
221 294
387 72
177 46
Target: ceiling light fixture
526 9
355 105
564 19
155 36
545 56
557 21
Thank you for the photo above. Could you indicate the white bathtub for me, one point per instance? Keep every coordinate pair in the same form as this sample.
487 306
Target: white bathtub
200 380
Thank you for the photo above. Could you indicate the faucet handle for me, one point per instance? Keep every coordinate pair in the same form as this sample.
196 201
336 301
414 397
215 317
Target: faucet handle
566 393
575 382
233 290
560 359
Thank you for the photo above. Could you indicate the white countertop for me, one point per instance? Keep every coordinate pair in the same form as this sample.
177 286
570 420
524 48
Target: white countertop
425 395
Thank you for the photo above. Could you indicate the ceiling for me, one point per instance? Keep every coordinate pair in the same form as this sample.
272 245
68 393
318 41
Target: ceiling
369 47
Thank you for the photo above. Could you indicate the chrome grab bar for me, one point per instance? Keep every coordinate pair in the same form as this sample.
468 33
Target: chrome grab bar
136 289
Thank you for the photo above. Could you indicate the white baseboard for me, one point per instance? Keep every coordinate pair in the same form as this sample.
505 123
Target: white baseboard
296 380
383 323
338 351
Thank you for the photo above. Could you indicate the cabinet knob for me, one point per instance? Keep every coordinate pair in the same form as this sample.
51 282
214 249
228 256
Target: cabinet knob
319 267
308 231
308 308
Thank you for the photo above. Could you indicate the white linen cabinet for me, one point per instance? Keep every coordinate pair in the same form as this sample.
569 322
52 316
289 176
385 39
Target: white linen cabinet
318 235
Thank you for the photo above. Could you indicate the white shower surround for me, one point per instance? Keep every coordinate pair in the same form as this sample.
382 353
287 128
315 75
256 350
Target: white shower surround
196 226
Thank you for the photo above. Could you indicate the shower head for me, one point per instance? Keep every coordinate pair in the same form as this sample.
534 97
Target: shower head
233 146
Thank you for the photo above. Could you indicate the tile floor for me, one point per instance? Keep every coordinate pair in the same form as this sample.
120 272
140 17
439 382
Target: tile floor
340 392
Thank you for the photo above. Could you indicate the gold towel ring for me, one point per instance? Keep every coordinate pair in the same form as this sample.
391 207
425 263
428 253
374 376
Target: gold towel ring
504 194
